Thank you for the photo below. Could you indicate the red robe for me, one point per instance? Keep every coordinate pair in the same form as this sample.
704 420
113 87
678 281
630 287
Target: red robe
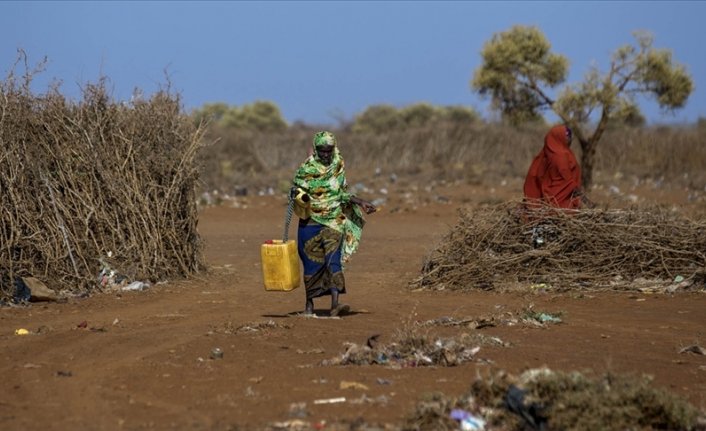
554 173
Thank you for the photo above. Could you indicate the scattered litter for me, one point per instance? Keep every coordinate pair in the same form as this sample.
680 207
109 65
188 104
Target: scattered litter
467 420
83 324
381 381
216 353
255 326
257 379
469 322
410 349
353 385
135 286
531 413
298 410
372 341
292 424
21 331
310 352
364 399
546 317
30 365
331 400
110 278
694 349
64 374
531 316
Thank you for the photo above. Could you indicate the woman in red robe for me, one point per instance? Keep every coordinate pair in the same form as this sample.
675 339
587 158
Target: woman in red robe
554 176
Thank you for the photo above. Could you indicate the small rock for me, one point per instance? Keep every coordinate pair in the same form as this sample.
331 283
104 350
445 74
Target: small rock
39 291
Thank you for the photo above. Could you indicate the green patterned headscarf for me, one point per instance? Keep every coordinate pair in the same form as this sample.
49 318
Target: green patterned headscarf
330 203
324 138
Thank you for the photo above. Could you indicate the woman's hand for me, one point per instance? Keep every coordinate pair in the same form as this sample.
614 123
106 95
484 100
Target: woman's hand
367 207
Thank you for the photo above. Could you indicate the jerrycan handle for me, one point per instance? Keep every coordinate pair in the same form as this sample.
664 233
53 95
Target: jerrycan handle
288 217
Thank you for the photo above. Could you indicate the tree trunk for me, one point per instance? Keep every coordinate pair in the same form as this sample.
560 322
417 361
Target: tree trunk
588 156
588 147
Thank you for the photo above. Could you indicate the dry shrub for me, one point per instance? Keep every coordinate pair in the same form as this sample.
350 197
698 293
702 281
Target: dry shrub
475 152
83 179
432 413
675 154
562 401
451 151
237 158
596 248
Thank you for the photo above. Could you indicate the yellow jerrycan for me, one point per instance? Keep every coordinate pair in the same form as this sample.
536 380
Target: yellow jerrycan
280 265
280 261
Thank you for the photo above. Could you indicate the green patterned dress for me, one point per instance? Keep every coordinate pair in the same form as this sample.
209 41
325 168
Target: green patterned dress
332 233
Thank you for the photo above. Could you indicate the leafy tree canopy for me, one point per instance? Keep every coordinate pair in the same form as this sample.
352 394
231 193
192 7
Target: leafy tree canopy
519 71
516 65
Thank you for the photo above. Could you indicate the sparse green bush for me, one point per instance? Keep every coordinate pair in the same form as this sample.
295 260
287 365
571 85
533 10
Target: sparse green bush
378 119
418 115
382 119
262 116
459 114
210 113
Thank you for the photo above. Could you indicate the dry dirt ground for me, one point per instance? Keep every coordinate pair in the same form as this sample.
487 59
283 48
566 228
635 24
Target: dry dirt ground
142 361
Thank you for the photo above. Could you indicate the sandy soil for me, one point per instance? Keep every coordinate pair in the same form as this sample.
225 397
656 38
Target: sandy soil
143 359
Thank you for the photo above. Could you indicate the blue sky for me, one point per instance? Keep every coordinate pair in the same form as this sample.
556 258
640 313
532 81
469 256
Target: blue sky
325 60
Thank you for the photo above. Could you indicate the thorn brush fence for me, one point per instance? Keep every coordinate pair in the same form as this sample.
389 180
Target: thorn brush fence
80 180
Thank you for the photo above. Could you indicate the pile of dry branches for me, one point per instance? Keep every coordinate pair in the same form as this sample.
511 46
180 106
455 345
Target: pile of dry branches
593 248
81 179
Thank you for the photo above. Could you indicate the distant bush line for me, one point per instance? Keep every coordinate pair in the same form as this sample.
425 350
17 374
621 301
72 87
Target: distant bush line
468 149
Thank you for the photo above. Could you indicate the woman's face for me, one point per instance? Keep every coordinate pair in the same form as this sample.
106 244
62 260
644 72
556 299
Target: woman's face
325 154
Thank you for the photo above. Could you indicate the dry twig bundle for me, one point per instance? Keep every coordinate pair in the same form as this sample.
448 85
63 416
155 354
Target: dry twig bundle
593 248
79 180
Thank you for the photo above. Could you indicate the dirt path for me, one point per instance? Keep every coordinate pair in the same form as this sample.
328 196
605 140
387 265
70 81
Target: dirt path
142 362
